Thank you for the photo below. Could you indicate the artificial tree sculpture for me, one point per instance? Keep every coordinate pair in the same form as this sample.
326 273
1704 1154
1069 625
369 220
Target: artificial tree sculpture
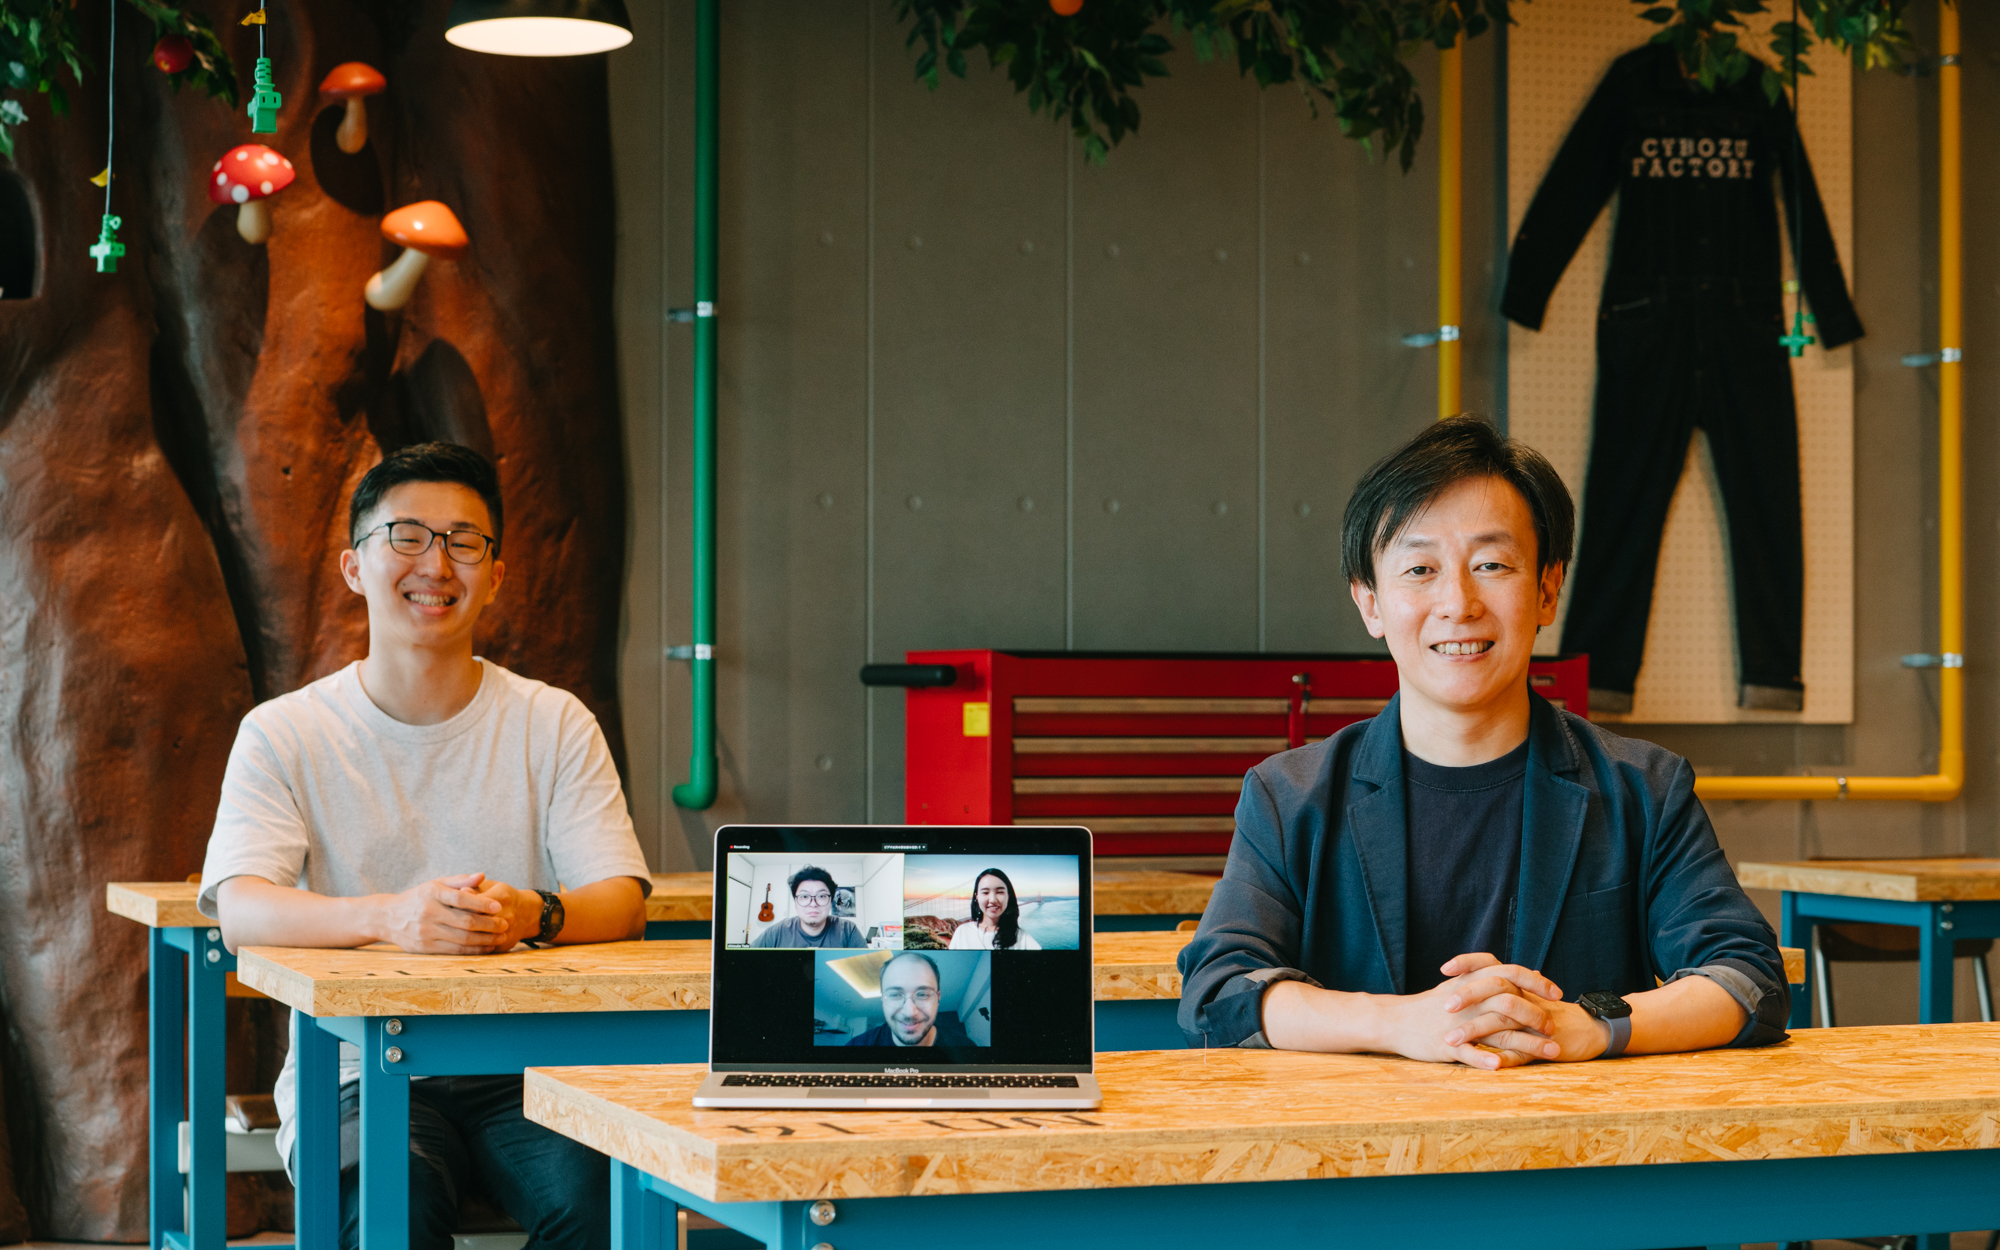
177 444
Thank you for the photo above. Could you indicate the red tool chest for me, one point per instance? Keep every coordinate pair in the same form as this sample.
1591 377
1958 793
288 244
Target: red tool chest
1148 750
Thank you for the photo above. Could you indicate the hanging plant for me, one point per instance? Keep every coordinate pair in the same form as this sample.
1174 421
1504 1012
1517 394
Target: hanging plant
40 38
1353 54
1706 35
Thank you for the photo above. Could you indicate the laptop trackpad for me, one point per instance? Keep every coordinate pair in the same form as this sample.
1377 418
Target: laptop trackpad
911 1100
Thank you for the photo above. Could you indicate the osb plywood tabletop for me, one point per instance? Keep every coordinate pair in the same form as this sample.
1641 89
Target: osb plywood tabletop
384 981
691 895
156 904
1907 880
1137 965
614 976
1150 893
1196 1117
681 896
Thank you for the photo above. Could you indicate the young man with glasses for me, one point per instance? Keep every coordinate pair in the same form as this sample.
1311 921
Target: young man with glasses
426 797
814 923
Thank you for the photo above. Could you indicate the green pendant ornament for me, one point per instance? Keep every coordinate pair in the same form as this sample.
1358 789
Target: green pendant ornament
1797 341
108 249
265 101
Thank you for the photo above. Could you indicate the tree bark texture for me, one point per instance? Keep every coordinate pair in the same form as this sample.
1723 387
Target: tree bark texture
178 442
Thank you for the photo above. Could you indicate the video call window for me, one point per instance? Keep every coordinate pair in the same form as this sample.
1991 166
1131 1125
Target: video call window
780 900
991 903
937 999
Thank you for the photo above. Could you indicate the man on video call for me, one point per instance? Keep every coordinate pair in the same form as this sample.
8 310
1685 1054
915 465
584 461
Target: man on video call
911 991
814 924
1475 875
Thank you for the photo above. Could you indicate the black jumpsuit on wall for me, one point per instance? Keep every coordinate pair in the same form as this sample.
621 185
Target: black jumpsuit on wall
1687 335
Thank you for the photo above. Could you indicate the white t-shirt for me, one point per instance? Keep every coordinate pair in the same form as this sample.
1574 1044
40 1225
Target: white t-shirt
327 792
970 937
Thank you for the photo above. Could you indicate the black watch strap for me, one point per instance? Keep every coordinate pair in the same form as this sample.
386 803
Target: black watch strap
552 916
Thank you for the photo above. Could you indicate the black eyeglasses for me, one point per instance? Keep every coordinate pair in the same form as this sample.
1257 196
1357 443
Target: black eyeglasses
414 538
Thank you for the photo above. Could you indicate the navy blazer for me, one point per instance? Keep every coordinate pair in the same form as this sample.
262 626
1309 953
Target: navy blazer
1621 880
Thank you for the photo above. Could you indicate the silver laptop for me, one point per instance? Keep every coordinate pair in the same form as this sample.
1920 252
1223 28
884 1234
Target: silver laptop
901 966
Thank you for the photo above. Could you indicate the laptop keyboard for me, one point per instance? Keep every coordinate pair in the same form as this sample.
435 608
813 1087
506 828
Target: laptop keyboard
808 1080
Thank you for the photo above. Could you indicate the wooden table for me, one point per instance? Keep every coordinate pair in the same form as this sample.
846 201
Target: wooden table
1836 1133
1944 899
615 1003
682 905
1124 901
189 976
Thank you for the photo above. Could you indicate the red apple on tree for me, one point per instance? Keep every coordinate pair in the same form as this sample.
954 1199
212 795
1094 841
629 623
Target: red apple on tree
173 53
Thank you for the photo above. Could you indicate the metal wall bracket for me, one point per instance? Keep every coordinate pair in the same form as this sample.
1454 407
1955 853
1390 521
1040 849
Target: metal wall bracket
1950 659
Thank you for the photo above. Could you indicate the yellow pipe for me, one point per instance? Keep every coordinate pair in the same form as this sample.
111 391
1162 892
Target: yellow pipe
1944 784
1450 154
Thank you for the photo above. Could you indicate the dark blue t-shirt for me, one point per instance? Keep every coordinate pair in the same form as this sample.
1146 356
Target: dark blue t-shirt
1464 860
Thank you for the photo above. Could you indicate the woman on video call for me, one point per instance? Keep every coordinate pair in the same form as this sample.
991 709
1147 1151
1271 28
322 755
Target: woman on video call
996 918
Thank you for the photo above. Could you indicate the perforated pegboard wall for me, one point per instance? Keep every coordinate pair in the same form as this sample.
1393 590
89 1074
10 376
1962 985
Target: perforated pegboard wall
1555 58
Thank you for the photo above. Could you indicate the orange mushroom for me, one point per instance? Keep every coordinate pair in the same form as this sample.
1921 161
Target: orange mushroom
425 229
353 82
246 175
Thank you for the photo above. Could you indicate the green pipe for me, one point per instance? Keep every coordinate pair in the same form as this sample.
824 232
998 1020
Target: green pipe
699 792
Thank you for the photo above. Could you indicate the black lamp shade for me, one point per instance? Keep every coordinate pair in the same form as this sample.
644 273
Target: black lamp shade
539 27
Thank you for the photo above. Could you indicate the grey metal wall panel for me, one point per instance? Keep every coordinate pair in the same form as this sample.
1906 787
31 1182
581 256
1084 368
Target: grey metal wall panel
1352 269
968 425
1166 323
795 377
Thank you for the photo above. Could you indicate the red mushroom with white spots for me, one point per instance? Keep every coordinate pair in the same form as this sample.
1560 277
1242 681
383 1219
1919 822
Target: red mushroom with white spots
248 176
425 229
353 82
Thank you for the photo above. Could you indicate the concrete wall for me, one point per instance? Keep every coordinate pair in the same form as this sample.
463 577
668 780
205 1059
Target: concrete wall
937 372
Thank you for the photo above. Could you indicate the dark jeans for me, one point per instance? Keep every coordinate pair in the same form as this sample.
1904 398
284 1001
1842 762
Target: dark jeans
466 1133
1665 366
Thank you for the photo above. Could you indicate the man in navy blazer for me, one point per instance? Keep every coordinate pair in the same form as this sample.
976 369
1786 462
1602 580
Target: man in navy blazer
1475 875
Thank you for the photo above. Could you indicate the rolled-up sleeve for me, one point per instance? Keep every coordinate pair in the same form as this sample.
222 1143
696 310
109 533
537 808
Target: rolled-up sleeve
1702 922
1249 936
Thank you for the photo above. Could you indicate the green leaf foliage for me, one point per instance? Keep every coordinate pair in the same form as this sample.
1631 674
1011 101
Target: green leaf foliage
1351 54
1704 33
1085 69
39 39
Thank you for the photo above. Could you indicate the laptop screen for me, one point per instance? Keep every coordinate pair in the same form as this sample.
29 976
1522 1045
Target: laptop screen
929 948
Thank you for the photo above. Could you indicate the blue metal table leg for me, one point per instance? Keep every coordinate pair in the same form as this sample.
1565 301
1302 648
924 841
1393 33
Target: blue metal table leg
208 1027
677 930
166 1024
641 1219
385 1143
1934 969
1138 1024
1795 931
316 1167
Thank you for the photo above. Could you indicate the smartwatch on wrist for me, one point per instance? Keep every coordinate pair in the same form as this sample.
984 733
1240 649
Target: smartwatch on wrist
1617 1016
552 917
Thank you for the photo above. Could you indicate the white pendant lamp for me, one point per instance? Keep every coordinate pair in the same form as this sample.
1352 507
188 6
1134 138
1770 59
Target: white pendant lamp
539 27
